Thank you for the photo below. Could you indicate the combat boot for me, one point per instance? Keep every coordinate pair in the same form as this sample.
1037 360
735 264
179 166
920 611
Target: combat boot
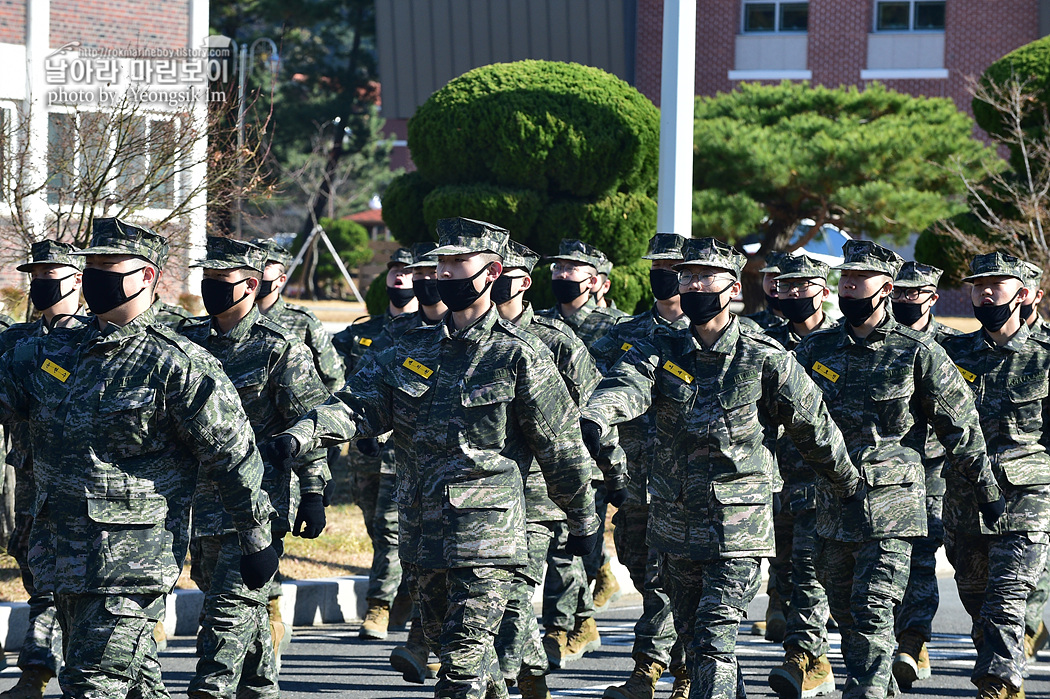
31 684
682 682
912 662
802 675
554 641
280 632
411 659
400 611
160 636
583 639
776 626
641 684
377 618
1034 642
758 628
989 687
606 588
533 687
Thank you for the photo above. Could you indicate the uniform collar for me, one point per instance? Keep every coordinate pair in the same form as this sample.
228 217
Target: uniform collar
582 313
681 323
476 332
874 338
984 341
114 334
241 330
726 342
526 316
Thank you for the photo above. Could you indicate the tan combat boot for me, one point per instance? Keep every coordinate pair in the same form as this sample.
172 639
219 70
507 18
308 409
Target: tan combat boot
606 588
682 682
802 675
641 684
377 618
411 659
583 639
912 662
533 687
160 636
554 641
31 684
989 687
280 632
1034 642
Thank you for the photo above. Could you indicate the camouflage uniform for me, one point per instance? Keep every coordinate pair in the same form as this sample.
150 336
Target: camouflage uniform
274 376
122 423
716 412
473 400
882 390
6 321
996 569
610 305
170 314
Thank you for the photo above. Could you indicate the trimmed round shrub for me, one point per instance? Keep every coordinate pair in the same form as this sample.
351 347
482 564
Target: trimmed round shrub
1029 63
620 225
403 208
513 209
376 298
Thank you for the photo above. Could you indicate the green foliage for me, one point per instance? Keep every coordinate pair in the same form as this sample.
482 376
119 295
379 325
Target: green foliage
514 209
935 247
630 287
620 225
376 299
403 208
350 239
1029 63
725 215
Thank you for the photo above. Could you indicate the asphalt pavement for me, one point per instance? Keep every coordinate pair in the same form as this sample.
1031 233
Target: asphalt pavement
331 661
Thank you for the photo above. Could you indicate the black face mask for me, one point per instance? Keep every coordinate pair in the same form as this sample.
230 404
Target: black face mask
218 295
664 283
104 290
266 287
400 296
994 317
426 290
797 310
858 310
566 291
773 302
45 293
702 306
1027 309
459 294
906 313
501 290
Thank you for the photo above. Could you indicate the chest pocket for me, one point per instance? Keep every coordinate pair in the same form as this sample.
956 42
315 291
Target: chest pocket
890 396
740 410
409 398
486 404
251 387
1025 399
125 414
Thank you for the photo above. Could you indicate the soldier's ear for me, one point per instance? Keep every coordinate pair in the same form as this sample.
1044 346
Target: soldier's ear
252 284
526 283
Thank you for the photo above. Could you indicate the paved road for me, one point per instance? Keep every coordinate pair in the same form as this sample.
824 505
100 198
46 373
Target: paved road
331 661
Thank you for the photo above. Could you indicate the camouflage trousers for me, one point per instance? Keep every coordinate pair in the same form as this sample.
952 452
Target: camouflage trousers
778 586
864 581
234 648
1033 610
597 558
518 644
374 493
654 634
42 645
806 608
566 591
921 597
461 608
709 598
995 575
109 648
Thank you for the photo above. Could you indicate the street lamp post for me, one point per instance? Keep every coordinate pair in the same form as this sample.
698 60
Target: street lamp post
246 57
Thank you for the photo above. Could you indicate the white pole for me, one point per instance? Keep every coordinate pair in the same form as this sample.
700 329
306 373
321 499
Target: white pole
38 34
677 83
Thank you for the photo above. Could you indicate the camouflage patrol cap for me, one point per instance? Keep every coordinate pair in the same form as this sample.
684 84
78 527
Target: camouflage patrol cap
401 256
802 267
997 264
52 252
520 257
423 255
916 274
1035 276
465 236
111 236
866 256
275 252
606 266
578 251
773 259
665 246
712 252
227 253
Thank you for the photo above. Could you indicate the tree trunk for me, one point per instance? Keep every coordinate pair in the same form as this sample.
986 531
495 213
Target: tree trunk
778 233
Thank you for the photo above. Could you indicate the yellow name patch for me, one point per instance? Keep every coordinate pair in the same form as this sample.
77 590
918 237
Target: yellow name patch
825 372
417 368
678 371
968 375
626 346
55 370
366 341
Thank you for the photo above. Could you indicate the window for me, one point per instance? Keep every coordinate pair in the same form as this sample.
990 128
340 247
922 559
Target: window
764 17
909 15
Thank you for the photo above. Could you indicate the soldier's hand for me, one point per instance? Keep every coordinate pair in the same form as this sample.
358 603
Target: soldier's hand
279 451
617 497
592 436
581 545
368 447
310 519
258 568
992 511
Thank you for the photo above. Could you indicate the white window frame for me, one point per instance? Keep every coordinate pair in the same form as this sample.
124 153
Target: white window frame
776 17
911 18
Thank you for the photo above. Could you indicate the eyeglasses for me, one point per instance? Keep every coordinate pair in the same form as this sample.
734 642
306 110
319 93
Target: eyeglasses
794 286
911 294
567 268
705 281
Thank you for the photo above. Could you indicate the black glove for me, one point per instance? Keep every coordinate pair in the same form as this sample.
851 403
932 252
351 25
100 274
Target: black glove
257 568
329 490
309 520
777 504
592 436
368 447
581 545
992 511
279 451
862 492
616 497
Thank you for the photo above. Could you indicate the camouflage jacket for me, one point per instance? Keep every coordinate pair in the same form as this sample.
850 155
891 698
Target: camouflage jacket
169 314
6 321
934 457
717 411
358 339
465 407
275 378
308 328
882 391
637 436
766 319
122 422
1009 385
589 322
